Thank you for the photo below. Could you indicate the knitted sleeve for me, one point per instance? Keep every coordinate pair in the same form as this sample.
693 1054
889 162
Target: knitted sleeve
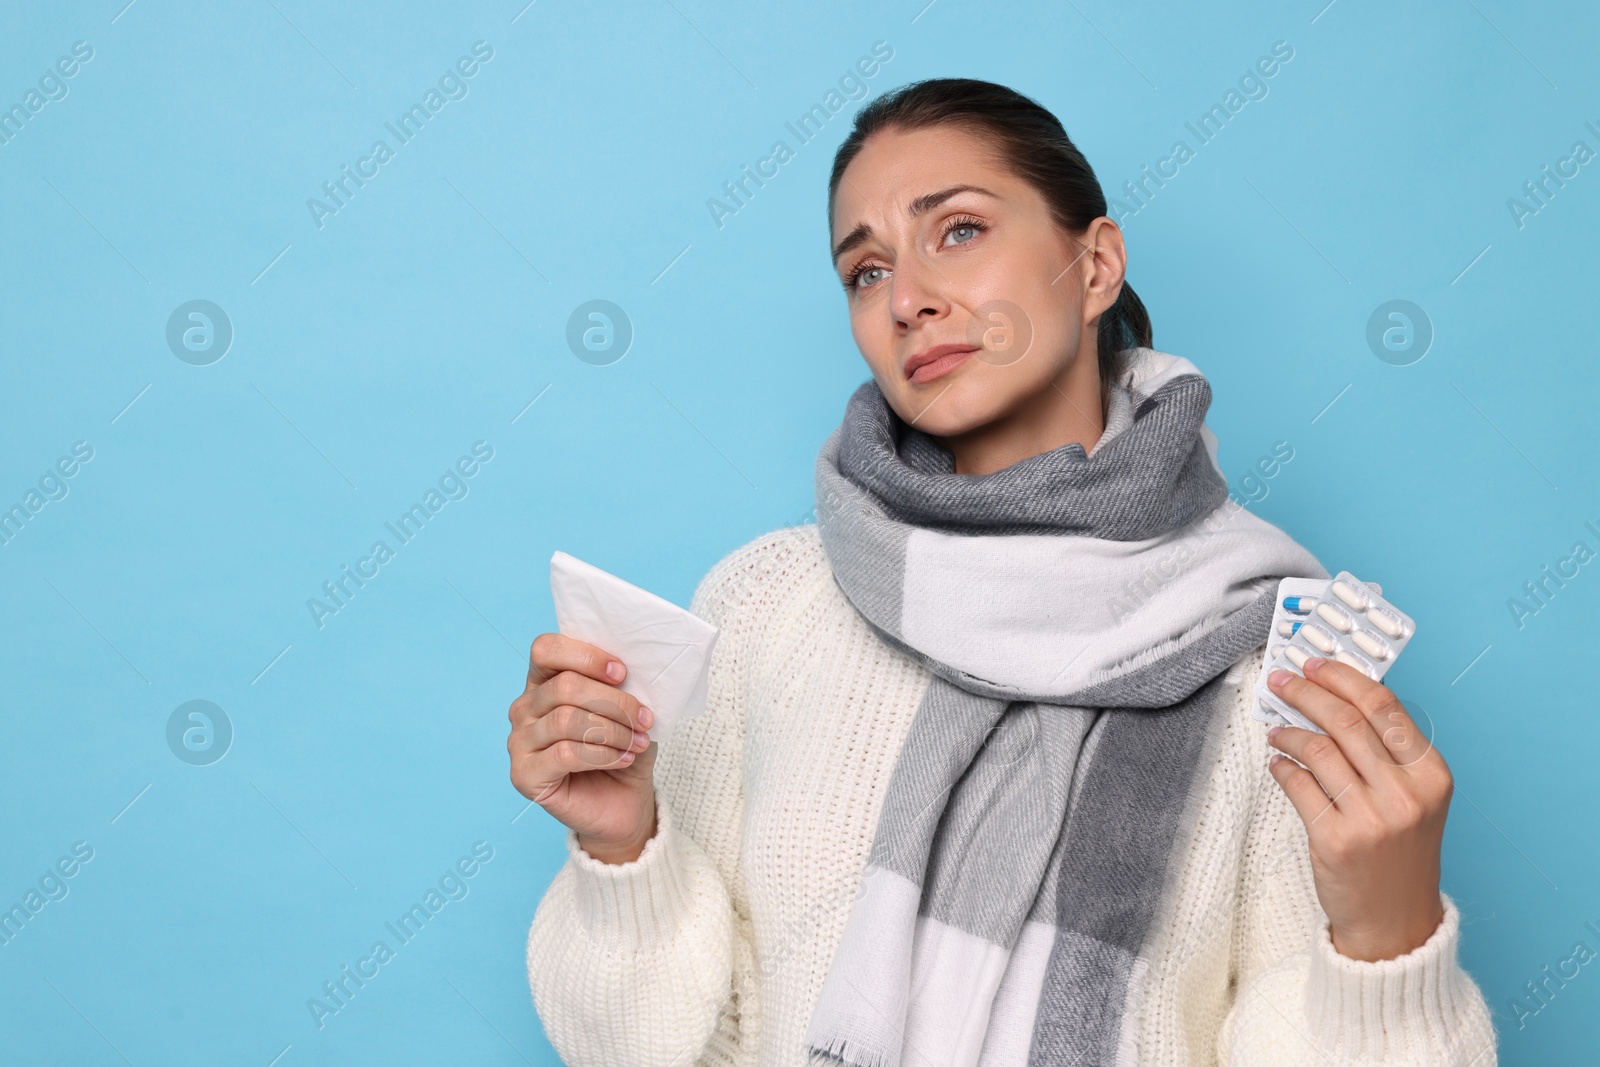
652 962
1297 1001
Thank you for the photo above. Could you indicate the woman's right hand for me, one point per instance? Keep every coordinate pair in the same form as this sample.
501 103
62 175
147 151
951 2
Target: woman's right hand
578 748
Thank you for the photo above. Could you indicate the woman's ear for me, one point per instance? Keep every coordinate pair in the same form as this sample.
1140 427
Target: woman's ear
1106 265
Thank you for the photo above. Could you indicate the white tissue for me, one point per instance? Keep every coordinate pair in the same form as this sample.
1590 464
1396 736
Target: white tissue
666 649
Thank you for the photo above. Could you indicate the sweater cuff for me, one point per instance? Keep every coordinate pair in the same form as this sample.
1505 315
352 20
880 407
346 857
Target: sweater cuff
1384 1009
637 905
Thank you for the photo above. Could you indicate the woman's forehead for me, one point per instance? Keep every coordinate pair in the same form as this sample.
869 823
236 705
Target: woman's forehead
894 170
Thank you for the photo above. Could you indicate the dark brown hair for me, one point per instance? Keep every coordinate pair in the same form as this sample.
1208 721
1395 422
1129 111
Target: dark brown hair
1034 145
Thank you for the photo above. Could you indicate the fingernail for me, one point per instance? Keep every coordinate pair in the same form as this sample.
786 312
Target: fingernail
614 671
626 757
1276 759
641 740
1278 677
646 717
1313 663
1273 733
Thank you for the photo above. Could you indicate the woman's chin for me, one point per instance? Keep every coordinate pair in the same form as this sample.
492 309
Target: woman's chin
946 408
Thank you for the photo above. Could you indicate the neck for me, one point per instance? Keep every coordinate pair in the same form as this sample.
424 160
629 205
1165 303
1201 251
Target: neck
1069 408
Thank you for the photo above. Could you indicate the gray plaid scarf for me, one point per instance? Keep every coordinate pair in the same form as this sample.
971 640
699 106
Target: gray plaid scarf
1077 612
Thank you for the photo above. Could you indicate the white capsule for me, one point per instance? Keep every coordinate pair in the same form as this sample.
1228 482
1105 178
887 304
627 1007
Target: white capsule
1355 661
1387 623
1321 639
1350 595
1376 647
1335 618
1296 655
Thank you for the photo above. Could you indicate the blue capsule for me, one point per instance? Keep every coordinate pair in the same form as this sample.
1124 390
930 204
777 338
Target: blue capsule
1300 605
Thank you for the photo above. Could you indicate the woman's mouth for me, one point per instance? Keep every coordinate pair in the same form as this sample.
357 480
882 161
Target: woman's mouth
939 360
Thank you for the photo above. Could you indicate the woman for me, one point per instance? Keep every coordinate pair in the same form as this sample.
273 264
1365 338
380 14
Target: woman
978 781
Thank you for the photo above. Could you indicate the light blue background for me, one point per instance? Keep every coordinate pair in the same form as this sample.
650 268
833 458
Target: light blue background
427 313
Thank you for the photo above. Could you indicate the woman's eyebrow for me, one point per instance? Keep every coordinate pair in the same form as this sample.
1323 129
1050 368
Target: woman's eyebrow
926 202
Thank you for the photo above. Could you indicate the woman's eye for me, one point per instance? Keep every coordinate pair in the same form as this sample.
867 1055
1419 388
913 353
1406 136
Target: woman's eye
970 230
866 277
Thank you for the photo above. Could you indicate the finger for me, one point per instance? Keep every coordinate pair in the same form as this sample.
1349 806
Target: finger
1387 716
1302 788
537 775
1319 753
575 757
570 687
570 723
522 708
1343 721
550 654
1347 683
1403 736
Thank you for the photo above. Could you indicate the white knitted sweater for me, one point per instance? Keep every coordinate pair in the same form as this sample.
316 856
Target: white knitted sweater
711 947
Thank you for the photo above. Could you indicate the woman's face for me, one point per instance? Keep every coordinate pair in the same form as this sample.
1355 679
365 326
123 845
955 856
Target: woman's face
942 249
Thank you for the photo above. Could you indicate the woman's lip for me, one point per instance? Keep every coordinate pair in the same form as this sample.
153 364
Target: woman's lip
943 365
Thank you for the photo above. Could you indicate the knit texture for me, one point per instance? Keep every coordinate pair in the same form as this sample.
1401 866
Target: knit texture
711 947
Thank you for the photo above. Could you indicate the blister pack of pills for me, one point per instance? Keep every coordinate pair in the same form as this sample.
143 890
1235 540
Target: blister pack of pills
1344 619
1293 605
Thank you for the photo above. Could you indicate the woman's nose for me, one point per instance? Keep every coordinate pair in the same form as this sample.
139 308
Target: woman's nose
918 291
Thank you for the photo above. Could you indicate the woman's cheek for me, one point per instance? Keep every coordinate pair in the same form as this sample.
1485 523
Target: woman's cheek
873 341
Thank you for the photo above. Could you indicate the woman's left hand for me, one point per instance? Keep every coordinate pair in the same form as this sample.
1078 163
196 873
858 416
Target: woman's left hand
1374 803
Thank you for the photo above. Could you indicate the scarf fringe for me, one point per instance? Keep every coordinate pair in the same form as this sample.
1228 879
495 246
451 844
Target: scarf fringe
841 1050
